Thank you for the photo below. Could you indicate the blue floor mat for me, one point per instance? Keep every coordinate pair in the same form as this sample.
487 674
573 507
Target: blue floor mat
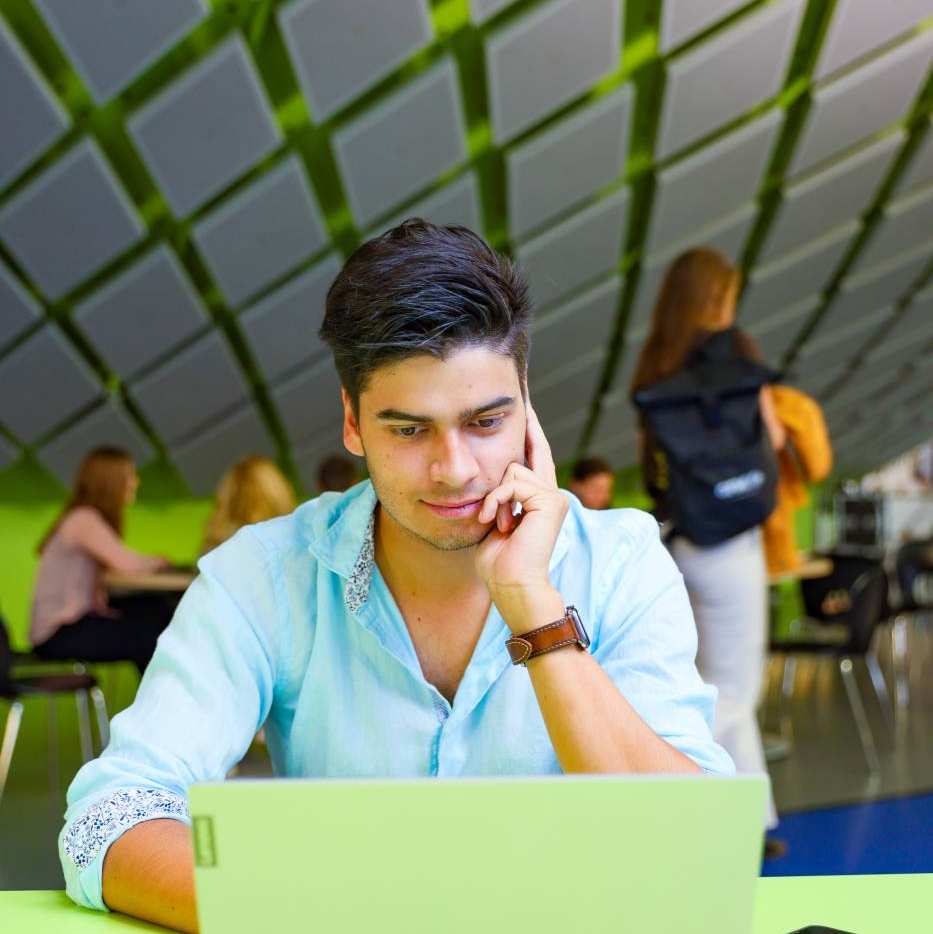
892 835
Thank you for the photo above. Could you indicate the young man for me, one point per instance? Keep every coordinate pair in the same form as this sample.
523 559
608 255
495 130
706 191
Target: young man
592 482
414 625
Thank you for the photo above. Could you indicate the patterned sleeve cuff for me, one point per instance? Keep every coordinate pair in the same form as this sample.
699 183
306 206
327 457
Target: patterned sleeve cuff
109 817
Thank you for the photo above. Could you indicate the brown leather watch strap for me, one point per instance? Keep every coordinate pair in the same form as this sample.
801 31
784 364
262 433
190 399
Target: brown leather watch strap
568 630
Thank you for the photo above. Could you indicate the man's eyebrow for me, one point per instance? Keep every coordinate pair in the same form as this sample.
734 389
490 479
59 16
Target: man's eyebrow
396 415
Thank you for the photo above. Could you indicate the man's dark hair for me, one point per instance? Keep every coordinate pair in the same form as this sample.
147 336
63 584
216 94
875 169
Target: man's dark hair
337 473
423 289
589 467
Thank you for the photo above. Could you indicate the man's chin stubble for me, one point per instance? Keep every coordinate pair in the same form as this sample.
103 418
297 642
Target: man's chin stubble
457 544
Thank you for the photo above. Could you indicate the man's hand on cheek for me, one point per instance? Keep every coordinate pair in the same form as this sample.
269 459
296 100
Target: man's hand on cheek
513 560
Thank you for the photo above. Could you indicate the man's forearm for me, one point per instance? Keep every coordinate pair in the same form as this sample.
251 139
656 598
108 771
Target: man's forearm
149 873
592 727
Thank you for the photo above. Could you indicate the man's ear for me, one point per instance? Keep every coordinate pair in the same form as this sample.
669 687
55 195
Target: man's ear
351 427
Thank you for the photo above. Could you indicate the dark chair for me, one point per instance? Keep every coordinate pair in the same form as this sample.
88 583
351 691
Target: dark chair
911 595
843 611
14 689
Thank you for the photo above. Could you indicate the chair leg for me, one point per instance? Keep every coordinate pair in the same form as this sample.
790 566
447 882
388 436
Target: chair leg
788 677
788 682
54 775
103 720
84 726
858 712
10 732
880 686
900 660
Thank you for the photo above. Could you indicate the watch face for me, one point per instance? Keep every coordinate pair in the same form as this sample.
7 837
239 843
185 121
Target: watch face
578 626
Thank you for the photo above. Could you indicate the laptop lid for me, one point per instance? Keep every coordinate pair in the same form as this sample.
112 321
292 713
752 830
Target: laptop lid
546 854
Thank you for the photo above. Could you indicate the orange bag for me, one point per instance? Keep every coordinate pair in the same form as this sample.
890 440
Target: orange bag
807 457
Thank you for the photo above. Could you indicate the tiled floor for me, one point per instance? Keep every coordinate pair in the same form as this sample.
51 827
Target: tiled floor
825 767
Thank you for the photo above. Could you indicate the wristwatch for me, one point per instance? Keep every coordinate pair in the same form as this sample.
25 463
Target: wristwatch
568 630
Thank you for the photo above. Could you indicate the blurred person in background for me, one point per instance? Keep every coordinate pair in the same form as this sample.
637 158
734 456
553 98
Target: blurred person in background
592 482
72 617
337 474
252 490
727 583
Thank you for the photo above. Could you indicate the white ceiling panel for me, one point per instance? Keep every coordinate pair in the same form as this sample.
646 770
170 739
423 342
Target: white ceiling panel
865 290
18 309
919 171
576 251
904 223
568 390
456 204
282 329
43 382
341 49
799 274
206 129
261 233
30 117
309 403
858 27
380 167
88 33
548 58
201 383
682 19
863 102
711 183
573 329
568 162
776 333
69 221
725 77
482 10
142 314
823 200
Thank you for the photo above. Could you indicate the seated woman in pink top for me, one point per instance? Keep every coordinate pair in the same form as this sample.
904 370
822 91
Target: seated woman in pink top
71 615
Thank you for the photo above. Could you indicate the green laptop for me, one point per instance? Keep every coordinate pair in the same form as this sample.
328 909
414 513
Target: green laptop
646 854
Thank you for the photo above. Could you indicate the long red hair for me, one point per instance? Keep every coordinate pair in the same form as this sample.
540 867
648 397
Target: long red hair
698 293
101 483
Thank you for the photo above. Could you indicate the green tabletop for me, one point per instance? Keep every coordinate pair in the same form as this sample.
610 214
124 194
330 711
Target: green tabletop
886 904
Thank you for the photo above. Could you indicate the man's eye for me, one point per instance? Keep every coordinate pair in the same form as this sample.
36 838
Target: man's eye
492 421
407 431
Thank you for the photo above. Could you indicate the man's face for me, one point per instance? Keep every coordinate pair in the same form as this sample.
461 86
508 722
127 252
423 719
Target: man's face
595 492
437 436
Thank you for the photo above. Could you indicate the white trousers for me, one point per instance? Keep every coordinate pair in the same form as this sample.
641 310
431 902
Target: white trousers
728 588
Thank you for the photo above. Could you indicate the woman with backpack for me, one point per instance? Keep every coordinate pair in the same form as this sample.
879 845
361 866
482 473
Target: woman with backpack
707 441
72 618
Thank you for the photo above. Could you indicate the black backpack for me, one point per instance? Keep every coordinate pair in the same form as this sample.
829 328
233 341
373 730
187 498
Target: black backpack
706 419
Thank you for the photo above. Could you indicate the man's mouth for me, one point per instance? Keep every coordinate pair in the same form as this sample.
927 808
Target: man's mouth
456 510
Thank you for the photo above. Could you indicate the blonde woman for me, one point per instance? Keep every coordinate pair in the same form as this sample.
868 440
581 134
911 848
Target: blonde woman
72 617
252 490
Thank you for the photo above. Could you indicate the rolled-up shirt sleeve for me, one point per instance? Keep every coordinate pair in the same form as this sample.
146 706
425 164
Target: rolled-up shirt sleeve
205 694
648 644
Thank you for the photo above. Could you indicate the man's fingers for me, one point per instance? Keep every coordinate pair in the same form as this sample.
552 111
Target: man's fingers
519 484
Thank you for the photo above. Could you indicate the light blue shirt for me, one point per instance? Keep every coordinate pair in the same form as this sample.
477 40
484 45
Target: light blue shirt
290 624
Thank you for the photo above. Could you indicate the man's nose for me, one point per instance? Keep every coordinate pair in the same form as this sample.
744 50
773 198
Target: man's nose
453 463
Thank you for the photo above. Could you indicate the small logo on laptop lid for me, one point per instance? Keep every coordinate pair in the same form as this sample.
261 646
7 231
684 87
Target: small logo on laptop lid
205 852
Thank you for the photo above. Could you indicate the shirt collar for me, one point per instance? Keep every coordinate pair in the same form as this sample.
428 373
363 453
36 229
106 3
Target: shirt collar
342 536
